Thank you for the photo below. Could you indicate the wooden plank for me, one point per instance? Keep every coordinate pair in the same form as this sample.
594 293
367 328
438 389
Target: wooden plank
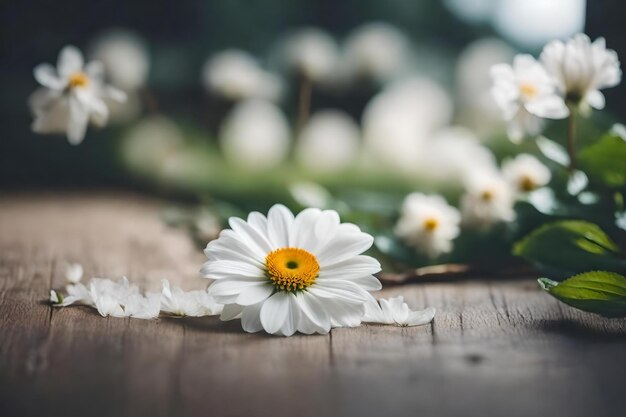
494 348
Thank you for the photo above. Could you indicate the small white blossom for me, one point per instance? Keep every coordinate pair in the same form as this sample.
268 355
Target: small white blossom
72 96
488 199
255 135
125 58
377 51
392 133
74 273
313 53
428 223
395 311
525 173
453 153
54 297
329 142
582 68
526 93
237 75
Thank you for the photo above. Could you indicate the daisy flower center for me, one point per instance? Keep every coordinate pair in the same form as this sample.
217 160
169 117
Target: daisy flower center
78 79
528 90
526 183
430 224
487 195
291 269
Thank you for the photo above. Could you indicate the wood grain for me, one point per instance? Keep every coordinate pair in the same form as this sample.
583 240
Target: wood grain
494 348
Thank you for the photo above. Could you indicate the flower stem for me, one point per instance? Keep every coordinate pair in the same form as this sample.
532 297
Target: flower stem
571 140
304 101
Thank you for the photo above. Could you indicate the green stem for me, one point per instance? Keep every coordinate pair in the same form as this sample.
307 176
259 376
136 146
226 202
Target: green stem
571 140
304 102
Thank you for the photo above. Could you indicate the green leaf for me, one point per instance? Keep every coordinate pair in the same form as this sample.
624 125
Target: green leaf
599 292
570 246
604 160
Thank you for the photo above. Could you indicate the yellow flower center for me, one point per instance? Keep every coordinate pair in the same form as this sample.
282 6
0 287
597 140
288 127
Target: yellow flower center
528 90
527 184
78 79
291 269
431 224
487 195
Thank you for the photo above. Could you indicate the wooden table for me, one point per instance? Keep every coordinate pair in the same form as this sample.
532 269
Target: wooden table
494 348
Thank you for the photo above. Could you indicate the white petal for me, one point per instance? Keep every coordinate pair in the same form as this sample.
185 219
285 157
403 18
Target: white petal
356 267
290 325
251 318
551 107
344 246
46 75
78 121
339 289
231 311
223 269
230 286
595 99
301 235
313 308
279 221
251 237
275 311
420 317
70 61
255 294
95 71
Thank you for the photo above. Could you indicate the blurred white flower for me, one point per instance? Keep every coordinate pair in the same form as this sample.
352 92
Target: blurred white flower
395 311
478 109
398 119
313 53
329 142
125 58
525 173
488 199
452 154
74 272
192 303
237 75
532 23
151 146
72 96
582 69
377 51
525 92
428 223
285 274
255 135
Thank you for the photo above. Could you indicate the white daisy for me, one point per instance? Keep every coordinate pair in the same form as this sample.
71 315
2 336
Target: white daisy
488 199
396 311
525 173
284 274
72 96
329 142
428 223
582 68
237 75
526 93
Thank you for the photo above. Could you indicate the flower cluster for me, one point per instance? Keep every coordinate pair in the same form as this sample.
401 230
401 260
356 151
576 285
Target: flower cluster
430 225
568 77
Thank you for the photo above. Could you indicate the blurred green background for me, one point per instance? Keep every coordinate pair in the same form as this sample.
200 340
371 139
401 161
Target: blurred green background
181 35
